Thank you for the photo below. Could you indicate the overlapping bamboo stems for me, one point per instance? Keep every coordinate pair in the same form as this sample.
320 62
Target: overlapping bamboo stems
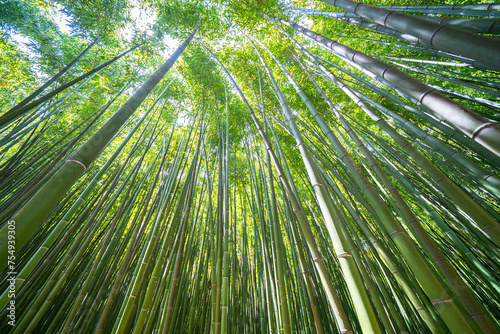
262 309
473 308
476 100
396 270
10 173
154 134
79 201
6 118
108 246
468 256
464 165
474 210
366 314
477 127
432 287
480 216
134 242
388 306
305 274
129 304
153 281
29 217
483 49
451 133
30 124
444 201
433 142
462 291
226 230
276 233
354 19
193 314
219 235
296 240
308 274
417 298
485 26
268 277
58 277
189 184
23 195
306 230
486 9
465 77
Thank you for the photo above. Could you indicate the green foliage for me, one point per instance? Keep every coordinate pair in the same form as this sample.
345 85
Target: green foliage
17 78
102 18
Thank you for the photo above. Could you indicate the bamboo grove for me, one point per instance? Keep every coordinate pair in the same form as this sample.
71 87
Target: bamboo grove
289 167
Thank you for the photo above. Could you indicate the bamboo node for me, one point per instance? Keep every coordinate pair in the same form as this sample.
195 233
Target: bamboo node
367 186
441 179
397 232
354 11
126 105
385 69
78 161
300 144
154 76
441 301
492 25
408 143
385 18
424 95
342 255
435 33
317 184
477 315
353 55
441 260
318 259
481 128
488 176
492 227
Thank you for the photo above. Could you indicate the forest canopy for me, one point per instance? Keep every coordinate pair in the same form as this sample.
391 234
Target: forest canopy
308 166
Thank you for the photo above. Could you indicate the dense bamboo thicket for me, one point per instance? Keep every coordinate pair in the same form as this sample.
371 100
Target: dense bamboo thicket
249 167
